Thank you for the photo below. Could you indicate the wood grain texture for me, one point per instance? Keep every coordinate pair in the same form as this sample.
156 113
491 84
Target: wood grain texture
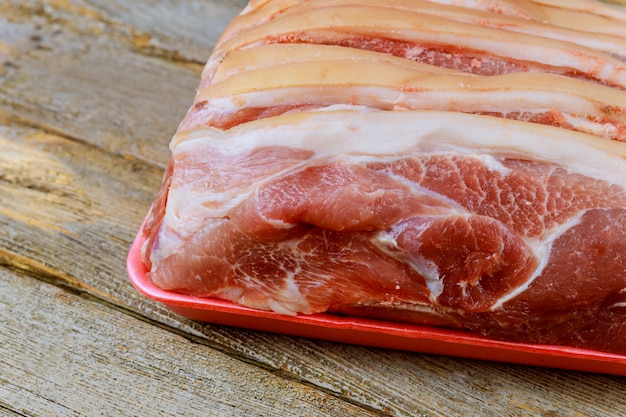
70 356
90 94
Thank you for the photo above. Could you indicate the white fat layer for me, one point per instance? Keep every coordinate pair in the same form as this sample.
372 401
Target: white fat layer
230 293
383 133
457 99
493 164
541 249
422 308
386 242
585 125
356 132
289 301
417 307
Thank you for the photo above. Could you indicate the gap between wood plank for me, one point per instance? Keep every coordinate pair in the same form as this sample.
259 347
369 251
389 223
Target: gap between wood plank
12 412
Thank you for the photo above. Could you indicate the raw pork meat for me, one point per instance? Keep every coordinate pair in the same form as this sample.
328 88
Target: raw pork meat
455 164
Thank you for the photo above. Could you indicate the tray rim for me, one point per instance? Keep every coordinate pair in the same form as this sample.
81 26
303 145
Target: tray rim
370 332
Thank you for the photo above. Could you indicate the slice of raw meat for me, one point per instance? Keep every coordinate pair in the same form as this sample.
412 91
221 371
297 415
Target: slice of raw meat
456 165
451 217
281 78
523 17
428 38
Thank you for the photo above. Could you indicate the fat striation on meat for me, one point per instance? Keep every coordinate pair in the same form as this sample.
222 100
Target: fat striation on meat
456 164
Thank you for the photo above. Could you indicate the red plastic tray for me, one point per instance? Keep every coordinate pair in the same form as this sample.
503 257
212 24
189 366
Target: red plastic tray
372 332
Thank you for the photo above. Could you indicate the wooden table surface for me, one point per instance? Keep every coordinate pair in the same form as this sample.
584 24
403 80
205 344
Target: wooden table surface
91 92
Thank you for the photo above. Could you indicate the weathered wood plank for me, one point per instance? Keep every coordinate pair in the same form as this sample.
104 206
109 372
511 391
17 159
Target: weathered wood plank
63 55
11 413
176 30
65 355
91 88
70 209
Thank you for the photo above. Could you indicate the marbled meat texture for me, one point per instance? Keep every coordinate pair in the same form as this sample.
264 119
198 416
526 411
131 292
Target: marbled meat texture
455 164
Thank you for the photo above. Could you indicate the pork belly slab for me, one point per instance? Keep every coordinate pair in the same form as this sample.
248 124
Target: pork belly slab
440 163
